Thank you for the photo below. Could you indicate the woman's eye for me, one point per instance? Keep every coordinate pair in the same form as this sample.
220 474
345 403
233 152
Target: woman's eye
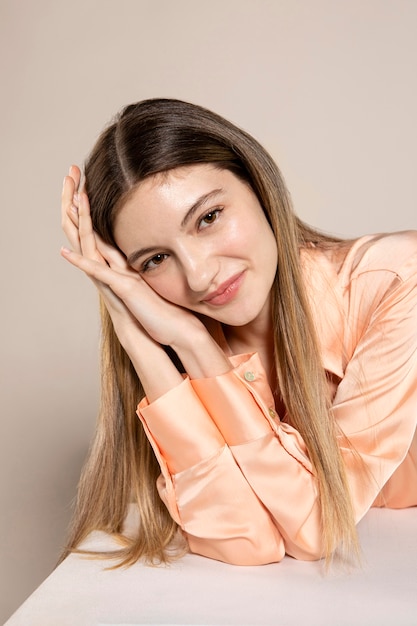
154 262
209 218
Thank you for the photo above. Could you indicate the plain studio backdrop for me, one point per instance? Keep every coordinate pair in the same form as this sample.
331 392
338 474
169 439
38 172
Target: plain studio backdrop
328 86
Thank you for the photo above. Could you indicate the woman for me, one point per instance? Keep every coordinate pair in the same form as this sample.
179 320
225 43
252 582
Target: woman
276 367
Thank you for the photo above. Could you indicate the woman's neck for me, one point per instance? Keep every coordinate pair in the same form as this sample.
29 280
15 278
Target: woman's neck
257 336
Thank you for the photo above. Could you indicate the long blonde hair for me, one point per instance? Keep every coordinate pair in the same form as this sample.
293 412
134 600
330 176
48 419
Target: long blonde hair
155 136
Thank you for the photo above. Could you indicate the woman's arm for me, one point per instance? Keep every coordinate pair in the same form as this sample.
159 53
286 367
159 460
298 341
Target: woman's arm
143 321
263 468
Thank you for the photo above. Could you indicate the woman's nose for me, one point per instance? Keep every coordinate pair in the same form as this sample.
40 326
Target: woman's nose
200 268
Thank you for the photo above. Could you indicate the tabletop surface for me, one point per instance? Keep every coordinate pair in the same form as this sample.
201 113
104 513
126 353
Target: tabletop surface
196 590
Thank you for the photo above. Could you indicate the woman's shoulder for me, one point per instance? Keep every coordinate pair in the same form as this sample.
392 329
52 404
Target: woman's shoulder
392 253
365 269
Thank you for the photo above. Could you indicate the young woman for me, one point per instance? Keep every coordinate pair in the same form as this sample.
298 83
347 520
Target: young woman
275 367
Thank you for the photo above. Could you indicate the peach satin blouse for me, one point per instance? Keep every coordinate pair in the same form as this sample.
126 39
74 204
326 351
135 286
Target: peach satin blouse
238 479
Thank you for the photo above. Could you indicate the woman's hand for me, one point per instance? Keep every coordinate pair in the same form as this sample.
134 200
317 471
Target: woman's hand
125 293
134 307
85 245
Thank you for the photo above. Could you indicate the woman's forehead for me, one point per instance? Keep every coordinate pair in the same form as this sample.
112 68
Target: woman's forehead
180 185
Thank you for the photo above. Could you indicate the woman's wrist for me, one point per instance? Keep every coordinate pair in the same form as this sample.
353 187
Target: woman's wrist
201 356
154 368
198 352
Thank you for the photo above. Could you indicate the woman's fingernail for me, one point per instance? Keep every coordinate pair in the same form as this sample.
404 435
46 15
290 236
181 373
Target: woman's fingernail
64 181
65 250
74 209
76 198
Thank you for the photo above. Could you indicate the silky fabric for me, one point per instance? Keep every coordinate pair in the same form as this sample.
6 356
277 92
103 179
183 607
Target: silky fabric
236 476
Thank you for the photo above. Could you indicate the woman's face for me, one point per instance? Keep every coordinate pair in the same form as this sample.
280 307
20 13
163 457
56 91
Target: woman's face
199 237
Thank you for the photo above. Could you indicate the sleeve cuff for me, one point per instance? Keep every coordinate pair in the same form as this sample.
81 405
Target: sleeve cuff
240 402
181 427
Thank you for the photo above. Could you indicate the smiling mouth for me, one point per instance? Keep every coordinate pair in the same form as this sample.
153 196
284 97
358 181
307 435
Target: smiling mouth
226 292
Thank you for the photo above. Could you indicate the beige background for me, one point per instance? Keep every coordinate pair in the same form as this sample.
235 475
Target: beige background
329 87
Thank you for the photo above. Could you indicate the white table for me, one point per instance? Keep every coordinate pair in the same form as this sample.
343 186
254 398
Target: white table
196 590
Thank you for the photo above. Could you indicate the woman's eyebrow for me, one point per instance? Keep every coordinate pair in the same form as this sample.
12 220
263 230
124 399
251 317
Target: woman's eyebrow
138 253
187 217
199 203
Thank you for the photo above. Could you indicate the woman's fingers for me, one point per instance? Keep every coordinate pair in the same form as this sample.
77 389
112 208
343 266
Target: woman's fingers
108 281
126 285
75 174
70 190
90 254
128 296
85 230
93 268
69 210
77 225
76 220
113 256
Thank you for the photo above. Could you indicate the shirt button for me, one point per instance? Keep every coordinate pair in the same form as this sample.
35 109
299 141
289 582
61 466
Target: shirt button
249 376
272 413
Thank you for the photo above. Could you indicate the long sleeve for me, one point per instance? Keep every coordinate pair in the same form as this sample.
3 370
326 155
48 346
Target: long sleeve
201 483
238 479
223 499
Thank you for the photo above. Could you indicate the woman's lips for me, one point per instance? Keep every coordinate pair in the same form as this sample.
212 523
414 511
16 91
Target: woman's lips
226 292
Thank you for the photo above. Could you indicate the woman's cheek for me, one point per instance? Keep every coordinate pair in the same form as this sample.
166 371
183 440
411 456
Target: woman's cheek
169 288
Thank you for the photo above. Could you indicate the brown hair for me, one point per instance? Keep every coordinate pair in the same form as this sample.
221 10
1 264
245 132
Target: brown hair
155 136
